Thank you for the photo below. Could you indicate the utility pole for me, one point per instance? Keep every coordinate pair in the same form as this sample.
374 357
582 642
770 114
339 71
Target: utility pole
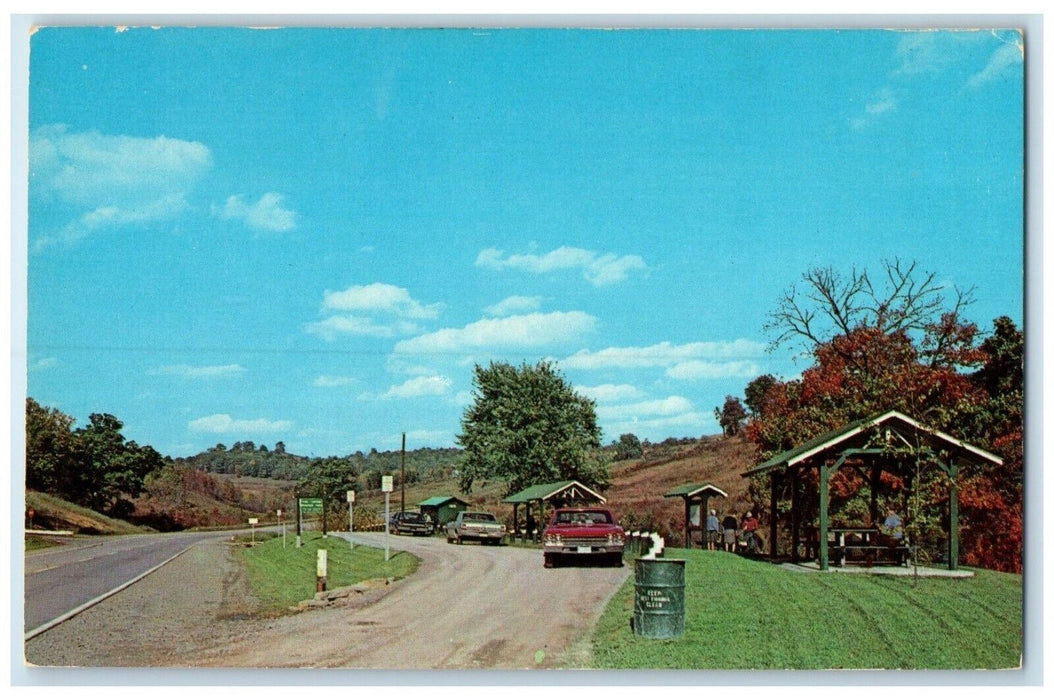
402 477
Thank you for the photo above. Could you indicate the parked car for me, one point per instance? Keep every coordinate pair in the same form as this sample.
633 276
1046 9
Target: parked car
410 522
588 533
475 525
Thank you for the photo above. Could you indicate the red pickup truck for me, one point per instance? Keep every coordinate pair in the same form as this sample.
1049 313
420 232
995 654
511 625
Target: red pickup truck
583 532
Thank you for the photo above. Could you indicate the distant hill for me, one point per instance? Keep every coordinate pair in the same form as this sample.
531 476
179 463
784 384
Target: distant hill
638 485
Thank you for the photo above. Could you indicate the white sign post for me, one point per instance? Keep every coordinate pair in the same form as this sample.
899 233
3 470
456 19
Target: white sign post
320 572
283 526
253 523
351 518
386 486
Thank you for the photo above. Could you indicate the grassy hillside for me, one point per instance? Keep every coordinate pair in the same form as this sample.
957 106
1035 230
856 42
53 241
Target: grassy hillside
746 614
53 513
638 485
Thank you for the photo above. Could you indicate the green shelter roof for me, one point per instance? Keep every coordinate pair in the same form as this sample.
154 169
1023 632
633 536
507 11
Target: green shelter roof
848 436
543 492
690 490
440 500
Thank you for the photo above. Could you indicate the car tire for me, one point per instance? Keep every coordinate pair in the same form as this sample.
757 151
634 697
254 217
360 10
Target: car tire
548 561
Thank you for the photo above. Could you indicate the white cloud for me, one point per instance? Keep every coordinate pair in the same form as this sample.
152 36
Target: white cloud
525 331
380 297
112 181
223 423
330 381
266 214
1004 61
690 423
600 270
883 101
610 392
200 371
514 305
662 354
335 326
671 405
702 369
419 386
43 363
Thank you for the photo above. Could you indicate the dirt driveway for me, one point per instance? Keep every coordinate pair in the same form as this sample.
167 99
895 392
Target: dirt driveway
466 607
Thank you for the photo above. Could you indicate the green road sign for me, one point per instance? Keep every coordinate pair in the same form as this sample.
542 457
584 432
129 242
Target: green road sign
310 506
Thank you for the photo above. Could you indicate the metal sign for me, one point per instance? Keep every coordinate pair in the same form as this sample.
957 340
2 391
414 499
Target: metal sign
351 496
310 506
254 521
387 484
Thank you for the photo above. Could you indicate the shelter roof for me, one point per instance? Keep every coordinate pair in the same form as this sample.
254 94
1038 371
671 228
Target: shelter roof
544 492
857 433
692 490
440 500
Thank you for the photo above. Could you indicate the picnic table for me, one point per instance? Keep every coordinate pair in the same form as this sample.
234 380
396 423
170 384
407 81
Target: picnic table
865 545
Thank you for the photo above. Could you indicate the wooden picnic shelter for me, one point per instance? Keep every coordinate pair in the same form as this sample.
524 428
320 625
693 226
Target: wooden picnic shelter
697 495
560 494
891 442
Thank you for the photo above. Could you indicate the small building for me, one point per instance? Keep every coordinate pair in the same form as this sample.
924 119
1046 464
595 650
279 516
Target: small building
696 500
442 509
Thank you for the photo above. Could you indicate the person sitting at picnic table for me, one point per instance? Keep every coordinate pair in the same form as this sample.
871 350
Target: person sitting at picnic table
713 530
750 527
893 527
730 525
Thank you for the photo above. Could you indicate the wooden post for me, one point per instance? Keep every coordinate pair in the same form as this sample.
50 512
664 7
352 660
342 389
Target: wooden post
795 515
773 511
876 480
825 475
953 517
825 520
687 523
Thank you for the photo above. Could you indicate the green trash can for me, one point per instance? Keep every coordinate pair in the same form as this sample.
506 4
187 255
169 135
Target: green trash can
658 601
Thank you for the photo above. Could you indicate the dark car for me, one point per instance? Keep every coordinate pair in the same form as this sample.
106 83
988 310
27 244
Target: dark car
411 523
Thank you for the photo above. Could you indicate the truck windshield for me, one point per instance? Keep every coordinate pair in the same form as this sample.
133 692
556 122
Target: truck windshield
591 517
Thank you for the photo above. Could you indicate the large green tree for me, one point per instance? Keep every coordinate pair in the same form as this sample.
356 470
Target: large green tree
528 426
93 466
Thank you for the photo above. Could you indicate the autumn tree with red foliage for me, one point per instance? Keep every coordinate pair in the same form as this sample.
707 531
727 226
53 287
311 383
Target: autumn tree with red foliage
904 347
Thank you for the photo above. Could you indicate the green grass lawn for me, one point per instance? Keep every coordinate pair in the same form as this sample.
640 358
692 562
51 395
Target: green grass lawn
744 614
284 576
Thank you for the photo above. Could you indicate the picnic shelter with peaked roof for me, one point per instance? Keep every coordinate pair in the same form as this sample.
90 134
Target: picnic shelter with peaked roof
559 494
697 496
889 442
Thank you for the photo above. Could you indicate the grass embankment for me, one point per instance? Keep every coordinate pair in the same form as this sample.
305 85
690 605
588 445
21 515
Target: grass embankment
53 513
744 614
284 576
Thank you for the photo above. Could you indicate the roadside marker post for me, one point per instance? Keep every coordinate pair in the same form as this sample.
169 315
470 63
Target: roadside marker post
320 572
351 518
253 523
283 526
386 486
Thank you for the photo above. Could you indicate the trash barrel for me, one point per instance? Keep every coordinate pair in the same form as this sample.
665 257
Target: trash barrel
658 605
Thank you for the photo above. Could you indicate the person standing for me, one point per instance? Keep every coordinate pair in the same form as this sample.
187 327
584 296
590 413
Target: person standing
730 525
750 527
713 530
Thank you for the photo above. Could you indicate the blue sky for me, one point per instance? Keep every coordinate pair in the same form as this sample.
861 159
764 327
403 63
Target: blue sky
310 235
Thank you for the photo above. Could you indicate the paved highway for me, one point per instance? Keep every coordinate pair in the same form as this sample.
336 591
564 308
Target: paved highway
60 579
